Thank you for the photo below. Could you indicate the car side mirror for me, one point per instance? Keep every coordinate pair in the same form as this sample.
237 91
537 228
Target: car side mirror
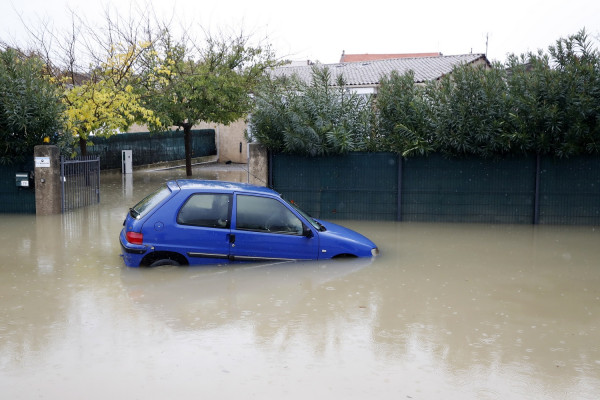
306 231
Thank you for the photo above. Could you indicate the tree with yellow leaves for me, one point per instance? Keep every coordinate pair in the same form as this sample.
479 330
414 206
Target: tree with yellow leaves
96 68
106 102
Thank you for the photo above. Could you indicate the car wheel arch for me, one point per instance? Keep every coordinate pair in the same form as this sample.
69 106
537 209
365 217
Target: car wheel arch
343 256
163 257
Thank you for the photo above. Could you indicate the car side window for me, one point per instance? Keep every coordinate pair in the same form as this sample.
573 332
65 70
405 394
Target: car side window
263 214
206 209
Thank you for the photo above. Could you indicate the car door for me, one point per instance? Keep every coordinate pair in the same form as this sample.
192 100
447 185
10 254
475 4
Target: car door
266 228
202 228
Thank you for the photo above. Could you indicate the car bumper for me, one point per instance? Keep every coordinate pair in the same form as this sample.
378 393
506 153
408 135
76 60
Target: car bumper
132 253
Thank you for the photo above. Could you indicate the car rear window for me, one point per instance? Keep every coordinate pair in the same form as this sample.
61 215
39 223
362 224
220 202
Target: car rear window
149 202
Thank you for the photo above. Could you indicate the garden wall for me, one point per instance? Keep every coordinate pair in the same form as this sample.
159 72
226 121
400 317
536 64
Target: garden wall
149 148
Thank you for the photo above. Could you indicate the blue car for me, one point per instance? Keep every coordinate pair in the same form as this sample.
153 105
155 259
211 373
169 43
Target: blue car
189 222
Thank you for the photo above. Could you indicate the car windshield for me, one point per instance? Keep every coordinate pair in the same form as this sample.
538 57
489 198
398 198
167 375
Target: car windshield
316 224
149 202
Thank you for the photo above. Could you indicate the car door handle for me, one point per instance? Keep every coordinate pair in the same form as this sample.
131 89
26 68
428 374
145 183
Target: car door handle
231 238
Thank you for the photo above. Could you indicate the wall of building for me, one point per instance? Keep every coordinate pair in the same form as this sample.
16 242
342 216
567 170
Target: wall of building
231 143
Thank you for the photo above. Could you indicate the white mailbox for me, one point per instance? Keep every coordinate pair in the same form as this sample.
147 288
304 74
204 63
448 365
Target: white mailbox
126 161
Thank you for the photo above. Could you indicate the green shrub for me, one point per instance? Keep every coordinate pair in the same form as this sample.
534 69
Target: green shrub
30 109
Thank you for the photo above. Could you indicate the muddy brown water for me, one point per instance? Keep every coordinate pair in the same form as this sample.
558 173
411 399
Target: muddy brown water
448 311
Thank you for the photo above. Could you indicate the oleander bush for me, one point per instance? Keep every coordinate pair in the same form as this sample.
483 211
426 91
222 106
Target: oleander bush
542 103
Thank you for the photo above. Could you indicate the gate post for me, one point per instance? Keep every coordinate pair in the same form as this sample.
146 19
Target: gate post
48 198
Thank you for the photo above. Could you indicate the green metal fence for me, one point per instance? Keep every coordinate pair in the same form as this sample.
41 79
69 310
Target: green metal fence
468 190
150 148
13 198
384 186
354 186
570 191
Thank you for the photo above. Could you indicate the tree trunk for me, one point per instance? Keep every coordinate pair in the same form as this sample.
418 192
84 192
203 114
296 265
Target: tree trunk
187 139
83 146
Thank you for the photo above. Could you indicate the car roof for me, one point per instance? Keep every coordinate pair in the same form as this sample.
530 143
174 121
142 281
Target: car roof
198 184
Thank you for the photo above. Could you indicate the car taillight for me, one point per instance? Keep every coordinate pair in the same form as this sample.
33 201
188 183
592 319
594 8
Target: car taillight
134 237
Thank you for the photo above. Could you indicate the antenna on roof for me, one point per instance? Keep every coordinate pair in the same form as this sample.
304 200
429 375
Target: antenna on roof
486 43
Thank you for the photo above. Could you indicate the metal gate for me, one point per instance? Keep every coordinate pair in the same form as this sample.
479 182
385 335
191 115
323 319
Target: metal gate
80 182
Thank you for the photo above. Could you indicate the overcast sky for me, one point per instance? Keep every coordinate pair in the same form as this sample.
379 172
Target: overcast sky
321 30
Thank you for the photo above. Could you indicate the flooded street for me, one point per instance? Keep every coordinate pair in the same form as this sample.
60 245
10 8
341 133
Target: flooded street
448 311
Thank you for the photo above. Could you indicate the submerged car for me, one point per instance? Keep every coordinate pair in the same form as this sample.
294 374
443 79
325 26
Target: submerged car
189 222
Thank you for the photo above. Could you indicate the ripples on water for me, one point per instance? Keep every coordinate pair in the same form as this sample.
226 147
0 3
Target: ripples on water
447 311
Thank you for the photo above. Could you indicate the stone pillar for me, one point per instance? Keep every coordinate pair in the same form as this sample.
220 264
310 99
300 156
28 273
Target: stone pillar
48 195
258 165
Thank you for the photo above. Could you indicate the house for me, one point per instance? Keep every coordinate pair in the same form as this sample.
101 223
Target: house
363 76
362 73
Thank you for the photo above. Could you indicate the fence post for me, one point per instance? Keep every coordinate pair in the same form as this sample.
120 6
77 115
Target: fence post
536 200
47 180
399 206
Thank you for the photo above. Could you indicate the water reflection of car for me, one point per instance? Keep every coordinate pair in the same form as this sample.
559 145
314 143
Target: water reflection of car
188 222
270 295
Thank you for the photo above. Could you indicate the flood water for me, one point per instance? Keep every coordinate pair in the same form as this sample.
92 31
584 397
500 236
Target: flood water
448 311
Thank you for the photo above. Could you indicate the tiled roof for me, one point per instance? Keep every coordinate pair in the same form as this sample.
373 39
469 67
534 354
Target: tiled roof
372 57
369 73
